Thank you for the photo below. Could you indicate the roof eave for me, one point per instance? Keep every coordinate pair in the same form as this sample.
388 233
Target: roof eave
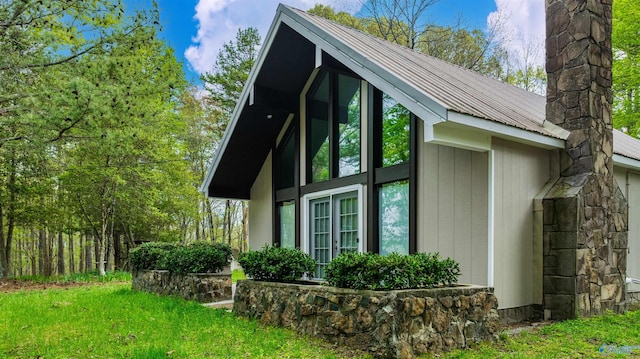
244 97
626 162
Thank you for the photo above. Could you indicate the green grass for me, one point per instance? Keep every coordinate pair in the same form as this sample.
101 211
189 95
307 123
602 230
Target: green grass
237 274
111 321
615 335
90 277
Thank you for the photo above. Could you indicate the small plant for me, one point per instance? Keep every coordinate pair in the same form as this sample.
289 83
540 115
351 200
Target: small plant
277 264
376 272
197 257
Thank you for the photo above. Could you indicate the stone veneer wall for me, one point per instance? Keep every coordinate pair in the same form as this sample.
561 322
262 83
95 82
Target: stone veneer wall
585 214
633 299
200 287
403 323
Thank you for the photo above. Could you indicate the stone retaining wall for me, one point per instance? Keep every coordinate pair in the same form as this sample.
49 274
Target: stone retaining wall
402 324
201 287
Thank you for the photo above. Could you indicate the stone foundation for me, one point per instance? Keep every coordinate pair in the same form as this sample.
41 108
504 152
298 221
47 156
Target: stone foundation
633 299
526 313
404 323
200 287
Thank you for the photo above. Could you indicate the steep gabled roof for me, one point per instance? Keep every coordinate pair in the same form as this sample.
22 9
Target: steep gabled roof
435 90
452 87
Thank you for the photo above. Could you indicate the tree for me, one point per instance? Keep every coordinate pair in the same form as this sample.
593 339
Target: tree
231 70
626 66
127 164
402 22
224 86
42 43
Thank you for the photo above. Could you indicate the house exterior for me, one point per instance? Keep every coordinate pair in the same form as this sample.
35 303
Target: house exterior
345 142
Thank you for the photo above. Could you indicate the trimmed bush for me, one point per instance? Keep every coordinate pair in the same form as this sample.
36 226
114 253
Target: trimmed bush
197 257
375 272
147 255
277 264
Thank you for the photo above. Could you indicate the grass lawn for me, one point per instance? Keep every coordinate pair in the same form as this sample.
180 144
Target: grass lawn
611 336
108 320
111 321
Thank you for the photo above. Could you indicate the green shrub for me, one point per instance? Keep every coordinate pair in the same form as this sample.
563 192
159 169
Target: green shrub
197 257
276 264
147 255
375 272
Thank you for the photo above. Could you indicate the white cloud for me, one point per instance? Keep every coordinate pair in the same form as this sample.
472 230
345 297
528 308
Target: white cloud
522 28
219 21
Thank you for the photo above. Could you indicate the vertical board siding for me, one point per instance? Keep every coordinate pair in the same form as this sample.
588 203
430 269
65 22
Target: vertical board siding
261 208
520 173
631 181
453 207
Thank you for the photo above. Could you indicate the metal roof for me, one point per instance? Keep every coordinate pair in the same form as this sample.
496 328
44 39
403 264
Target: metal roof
433 89
625 145
456 88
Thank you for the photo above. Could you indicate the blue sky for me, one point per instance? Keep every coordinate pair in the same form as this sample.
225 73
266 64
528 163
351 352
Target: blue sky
197 29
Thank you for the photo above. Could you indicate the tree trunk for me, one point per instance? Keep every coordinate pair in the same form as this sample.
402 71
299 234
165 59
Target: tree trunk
87 254
117 251
82 254
32 253
72 259
60 254
245 216
212 231
19 252
42 247
227 212
3 259
96 252
5 241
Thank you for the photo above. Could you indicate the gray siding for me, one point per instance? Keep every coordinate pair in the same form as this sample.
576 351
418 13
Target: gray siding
629 183
520 173
453 207
261 208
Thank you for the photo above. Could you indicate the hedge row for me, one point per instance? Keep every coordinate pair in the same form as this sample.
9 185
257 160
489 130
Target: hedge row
353 270
394 271
197 257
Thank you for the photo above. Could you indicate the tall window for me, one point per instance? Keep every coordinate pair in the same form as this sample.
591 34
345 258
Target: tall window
395 132
333 130
284 177
287 224
391 160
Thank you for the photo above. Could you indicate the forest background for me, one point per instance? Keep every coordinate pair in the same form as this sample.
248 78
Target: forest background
104 143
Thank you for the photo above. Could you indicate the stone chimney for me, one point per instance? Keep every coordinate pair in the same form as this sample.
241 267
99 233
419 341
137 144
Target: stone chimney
585 213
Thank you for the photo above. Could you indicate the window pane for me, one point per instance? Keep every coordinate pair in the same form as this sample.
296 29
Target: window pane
394 217
285 162
320 234
318 138
395 132
348 226
348 125
287 215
